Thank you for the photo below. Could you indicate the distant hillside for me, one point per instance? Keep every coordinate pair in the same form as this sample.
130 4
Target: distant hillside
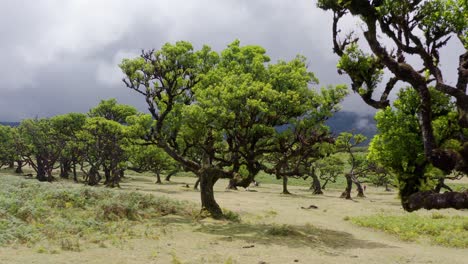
352 122
12 124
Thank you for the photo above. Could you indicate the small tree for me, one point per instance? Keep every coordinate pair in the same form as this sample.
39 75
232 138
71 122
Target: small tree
68 126
102 142
328 170
42 145
346 141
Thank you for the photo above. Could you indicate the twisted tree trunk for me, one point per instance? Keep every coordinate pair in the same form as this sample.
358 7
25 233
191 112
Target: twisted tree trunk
359 189
208 179
158 178
316 186
349 184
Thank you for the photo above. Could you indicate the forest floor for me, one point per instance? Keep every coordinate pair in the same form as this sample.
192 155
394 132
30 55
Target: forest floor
274 229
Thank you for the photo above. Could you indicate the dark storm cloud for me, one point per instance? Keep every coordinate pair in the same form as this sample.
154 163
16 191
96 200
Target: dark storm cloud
62 56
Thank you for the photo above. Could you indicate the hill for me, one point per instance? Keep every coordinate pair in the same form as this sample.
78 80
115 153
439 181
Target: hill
12 124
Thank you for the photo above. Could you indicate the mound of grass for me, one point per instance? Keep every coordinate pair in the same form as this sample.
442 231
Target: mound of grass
282 231
32 212
439 229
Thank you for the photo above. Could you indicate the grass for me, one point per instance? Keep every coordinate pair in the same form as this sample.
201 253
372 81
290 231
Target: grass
438 229
43 213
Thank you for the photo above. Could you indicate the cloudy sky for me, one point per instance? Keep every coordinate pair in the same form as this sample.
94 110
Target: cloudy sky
61 56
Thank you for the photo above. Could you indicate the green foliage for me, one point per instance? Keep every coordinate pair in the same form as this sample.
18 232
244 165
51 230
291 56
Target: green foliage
398 144
7 145
111 110
439 229
364 69
445 16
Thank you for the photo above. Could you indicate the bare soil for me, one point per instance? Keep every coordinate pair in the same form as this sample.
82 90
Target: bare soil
324 235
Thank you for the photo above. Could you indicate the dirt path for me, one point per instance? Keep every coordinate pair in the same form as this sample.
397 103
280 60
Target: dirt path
331 239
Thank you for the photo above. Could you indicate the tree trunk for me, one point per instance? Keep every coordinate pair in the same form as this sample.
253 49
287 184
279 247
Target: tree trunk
285 185
41 172
431 200
93 177
115 178
325 184
195 186
316 186
75 178
349 184
50 178
359 188
172 173
441 184
386 188
65 168
158 178
231 185
207 180
19 169
107 175
11 164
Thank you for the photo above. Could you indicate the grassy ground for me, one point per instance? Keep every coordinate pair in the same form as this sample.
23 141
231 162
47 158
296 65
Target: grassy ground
64 222
59 217
439 229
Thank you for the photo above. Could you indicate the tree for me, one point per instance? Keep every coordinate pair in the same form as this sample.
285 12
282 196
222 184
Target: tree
399 145
111 110
68 126
419 29
42 145
7 146
215 113
328 169
102 142
346 142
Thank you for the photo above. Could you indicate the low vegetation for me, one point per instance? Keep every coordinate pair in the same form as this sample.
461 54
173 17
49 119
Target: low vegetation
40 213
439 229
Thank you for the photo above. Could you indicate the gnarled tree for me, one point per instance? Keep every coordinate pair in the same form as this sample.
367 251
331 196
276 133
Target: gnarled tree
215 113
395 30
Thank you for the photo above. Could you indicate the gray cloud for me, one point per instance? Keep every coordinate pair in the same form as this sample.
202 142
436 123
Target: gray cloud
61 56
